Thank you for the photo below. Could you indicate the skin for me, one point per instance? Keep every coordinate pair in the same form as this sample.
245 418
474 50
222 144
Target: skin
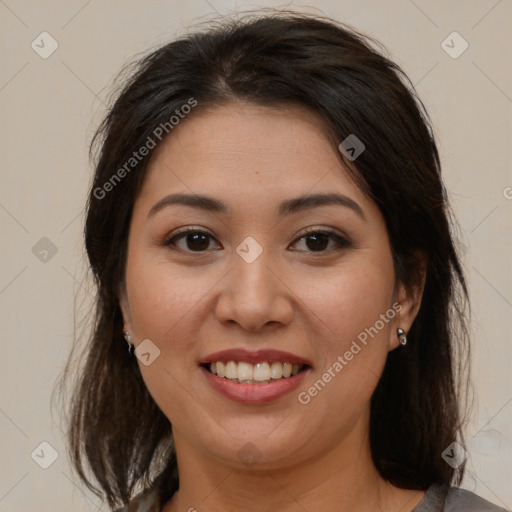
312 303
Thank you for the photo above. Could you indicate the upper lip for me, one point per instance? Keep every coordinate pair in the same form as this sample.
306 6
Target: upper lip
254 356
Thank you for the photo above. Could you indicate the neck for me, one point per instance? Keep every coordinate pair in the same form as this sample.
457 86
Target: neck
342 479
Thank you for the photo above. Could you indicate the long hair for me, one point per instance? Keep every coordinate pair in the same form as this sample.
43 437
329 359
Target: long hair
117 431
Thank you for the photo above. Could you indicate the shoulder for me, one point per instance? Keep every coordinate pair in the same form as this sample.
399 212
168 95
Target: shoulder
442 498
148 501
438 498
461 499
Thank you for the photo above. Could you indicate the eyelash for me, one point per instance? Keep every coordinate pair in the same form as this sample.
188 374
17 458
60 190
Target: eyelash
340 241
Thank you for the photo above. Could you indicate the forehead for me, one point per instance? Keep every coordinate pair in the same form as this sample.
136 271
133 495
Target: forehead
247 154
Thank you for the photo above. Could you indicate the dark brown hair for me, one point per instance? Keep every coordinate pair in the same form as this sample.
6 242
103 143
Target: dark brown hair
278 59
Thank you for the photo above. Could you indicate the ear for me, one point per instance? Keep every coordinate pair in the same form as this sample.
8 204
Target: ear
409 300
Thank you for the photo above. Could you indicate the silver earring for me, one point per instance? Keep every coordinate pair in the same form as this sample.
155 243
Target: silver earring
128 338
401 336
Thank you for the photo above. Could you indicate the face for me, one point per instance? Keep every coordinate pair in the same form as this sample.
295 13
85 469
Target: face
255 284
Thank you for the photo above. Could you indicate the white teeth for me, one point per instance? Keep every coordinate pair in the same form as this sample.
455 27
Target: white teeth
276 370
231 370
221 369
260 373
245 371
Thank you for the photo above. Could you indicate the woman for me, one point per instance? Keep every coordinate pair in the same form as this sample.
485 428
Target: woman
280 316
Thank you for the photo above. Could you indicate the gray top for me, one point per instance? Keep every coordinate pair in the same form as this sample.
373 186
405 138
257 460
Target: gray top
442 498
438 498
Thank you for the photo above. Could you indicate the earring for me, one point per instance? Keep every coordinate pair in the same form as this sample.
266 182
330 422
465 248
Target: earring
401 336
128 338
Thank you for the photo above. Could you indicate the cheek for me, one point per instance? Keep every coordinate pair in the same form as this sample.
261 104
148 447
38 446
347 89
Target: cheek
162 295
353 340
163 300
348 301
168 303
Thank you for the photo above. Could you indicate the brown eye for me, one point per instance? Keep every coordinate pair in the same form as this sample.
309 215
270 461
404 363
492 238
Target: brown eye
194 241
318 241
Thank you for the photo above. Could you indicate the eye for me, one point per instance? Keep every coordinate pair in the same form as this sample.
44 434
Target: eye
318 240
194 240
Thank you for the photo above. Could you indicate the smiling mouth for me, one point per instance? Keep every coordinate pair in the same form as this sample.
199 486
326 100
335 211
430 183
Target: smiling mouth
259 373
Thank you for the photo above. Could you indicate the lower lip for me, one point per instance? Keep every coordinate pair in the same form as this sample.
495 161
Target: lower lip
254 393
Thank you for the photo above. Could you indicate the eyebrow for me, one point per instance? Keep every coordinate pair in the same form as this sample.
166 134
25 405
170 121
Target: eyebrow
287 207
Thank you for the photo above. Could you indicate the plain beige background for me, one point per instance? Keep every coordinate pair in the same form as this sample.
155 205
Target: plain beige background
50 108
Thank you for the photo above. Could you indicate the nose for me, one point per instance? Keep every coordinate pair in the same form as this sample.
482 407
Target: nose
254 295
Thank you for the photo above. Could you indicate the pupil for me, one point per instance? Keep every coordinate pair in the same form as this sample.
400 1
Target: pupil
199 241
320 240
